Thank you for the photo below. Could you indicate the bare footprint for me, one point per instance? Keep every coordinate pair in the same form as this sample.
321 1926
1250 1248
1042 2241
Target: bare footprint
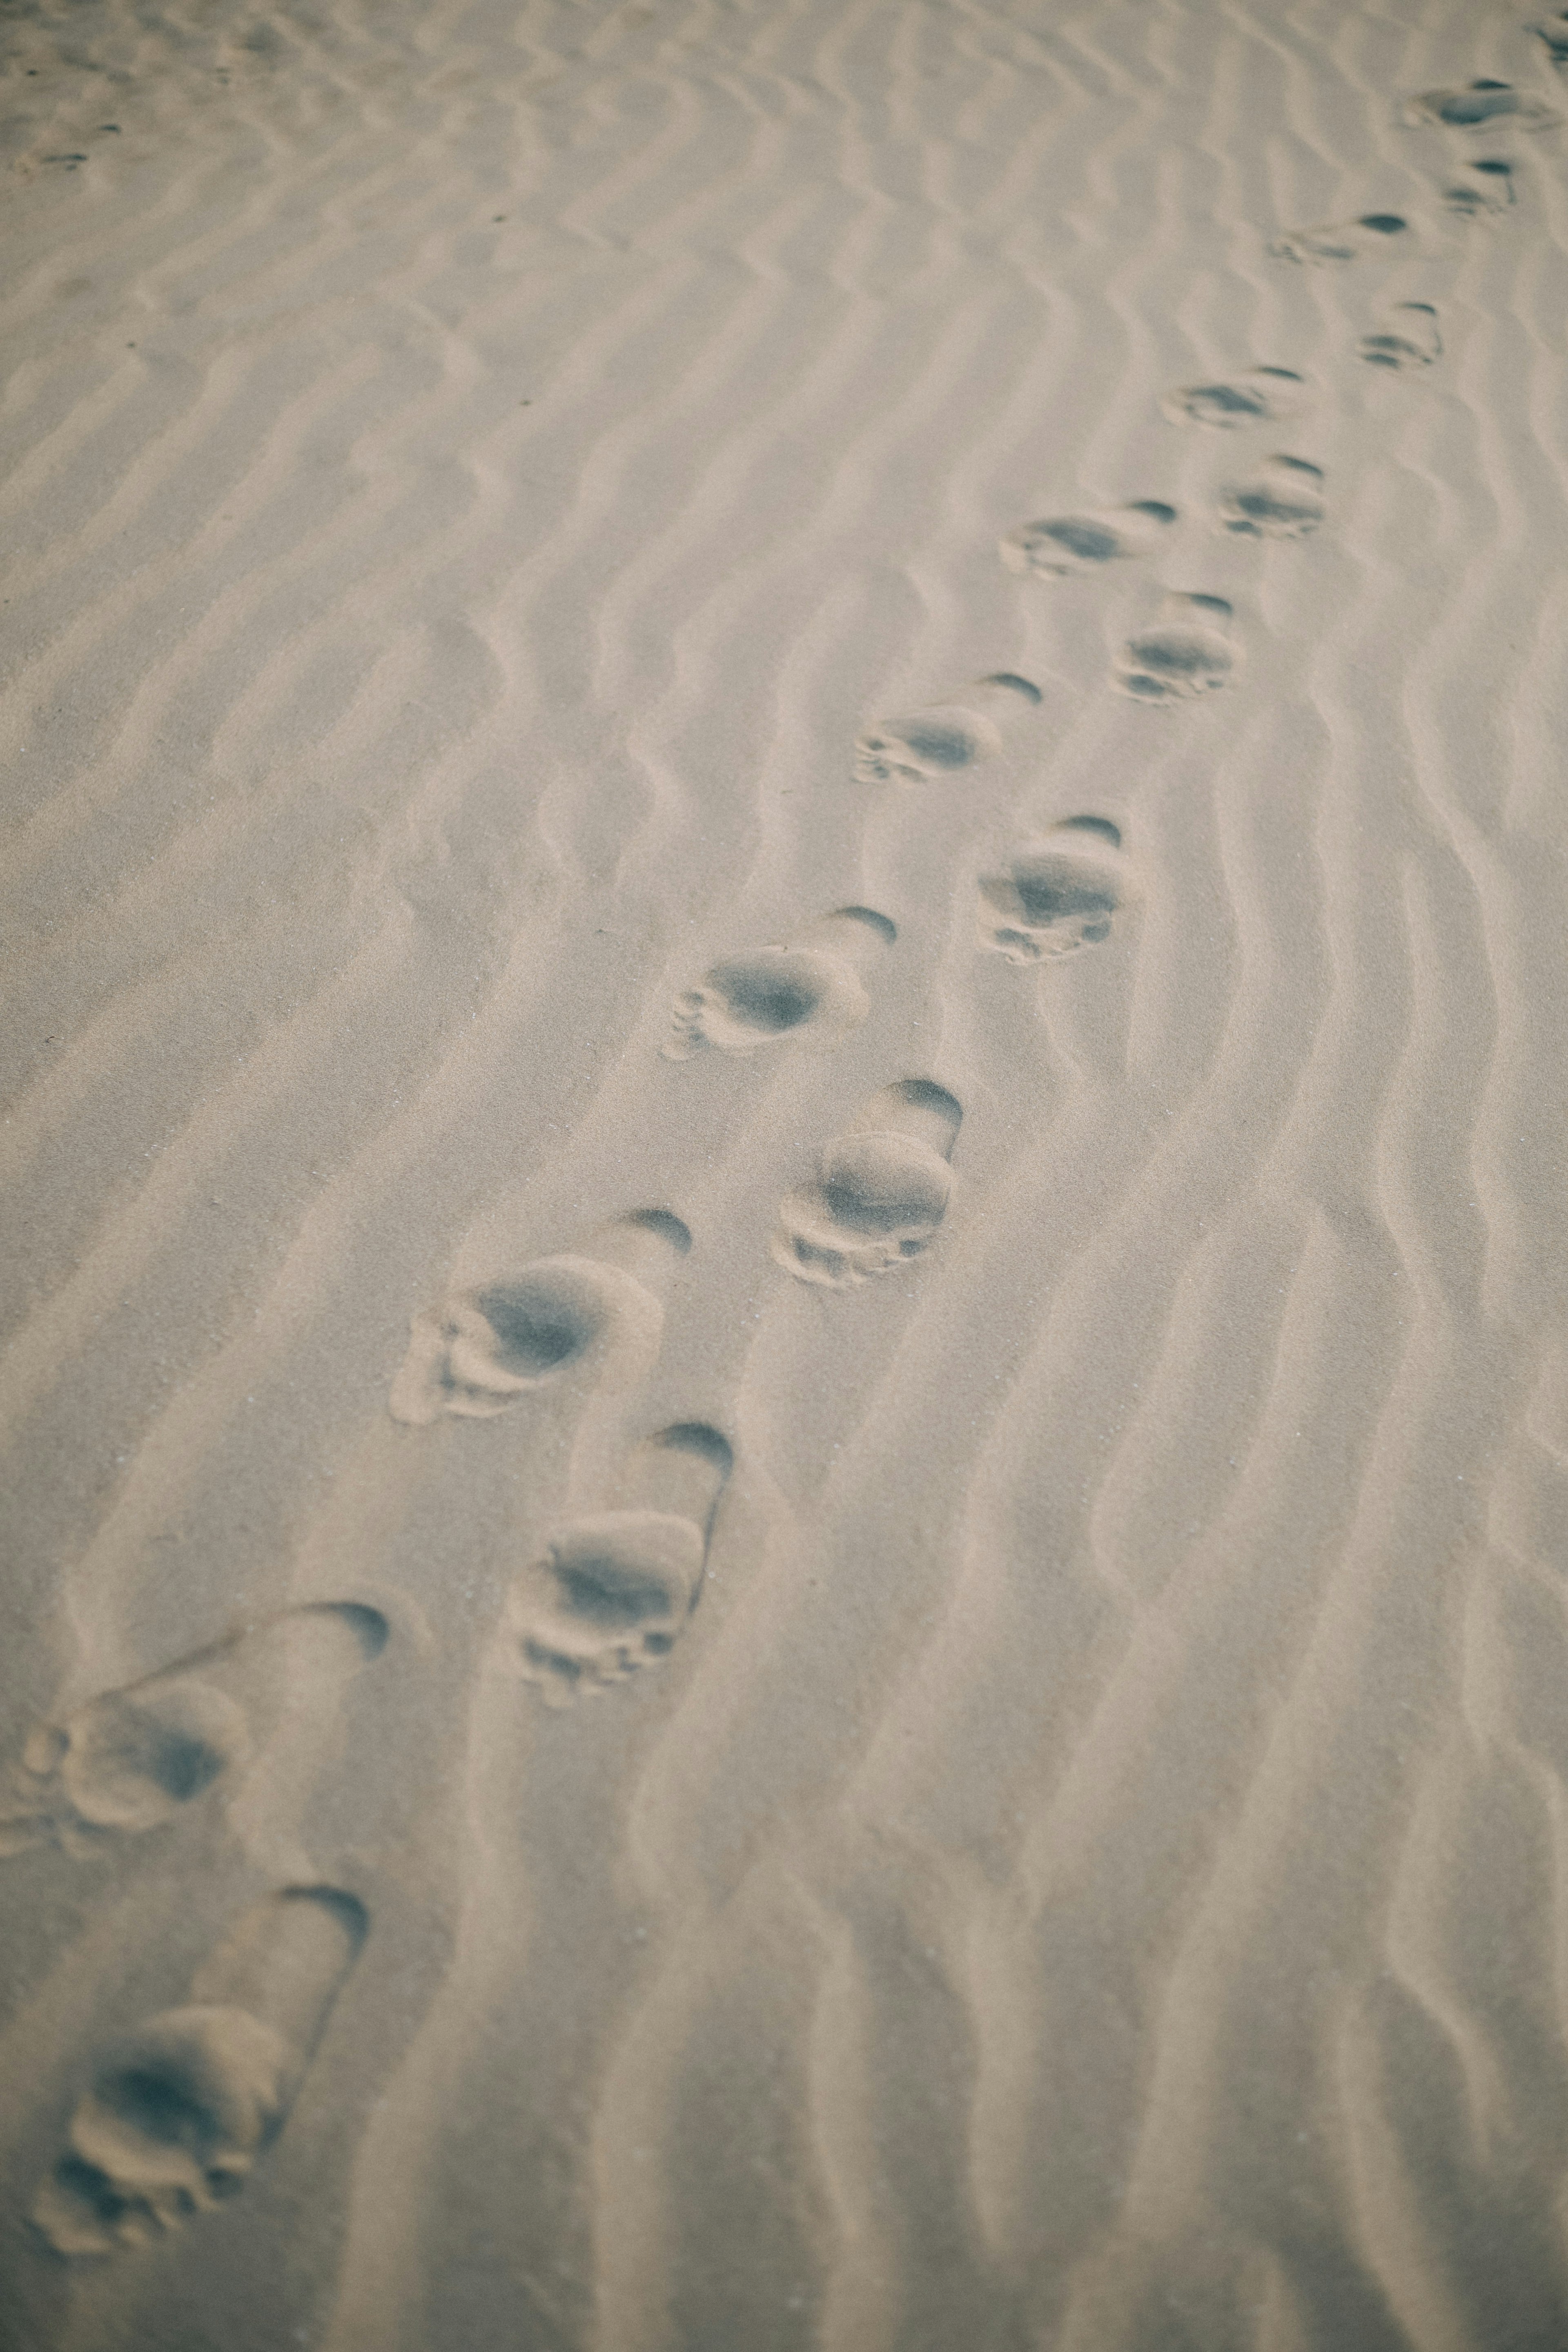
1553 34
133 1759
1284 500
1259 396
1341 240
1484 190
1186 654
179 2111
1480 102
1410 339
1061 545
482 1349
880 1193
611 1592
814 991
944 736
1057 894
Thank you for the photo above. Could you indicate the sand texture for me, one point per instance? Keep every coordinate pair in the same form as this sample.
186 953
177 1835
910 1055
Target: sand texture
784 1386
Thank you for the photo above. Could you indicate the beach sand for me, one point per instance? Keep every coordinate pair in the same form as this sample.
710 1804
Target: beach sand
785 1383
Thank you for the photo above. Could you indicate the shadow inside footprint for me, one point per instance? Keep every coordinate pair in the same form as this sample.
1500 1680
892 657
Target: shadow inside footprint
179 2112
1341 240
880 1193
482 1349
1554 35
1061 545
813 992
1486 190
1410 340
1187 655
1284 501
612 1591
132 1760
1056 897
945 736
1259 396
1480 102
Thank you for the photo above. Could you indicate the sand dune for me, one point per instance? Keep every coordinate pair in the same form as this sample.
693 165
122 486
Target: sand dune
637 1073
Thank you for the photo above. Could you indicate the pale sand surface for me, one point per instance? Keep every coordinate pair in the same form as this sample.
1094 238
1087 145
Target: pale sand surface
730 1624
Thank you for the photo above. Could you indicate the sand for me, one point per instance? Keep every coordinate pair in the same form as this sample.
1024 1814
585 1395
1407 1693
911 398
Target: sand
786 1386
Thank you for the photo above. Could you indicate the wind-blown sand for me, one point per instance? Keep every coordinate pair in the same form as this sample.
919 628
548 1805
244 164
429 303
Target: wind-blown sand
787 1388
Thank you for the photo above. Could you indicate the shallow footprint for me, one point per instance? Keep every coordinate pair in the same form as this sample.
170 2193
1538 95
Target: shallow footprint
1555 35
1410 339
1259 396
1061 545
1485 190
611 1592
482 1349
1057 895
1187 654
1283 501
943 736
880 1193
1341 240
814 991
132 1760
179 2111
1479 102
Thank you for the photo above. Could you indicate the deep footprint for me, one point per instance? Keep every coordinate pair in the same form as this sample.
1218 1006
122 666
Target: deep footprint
1259 396
1341 240
612 1592
813 992
880 1193
1188 654
1480 102
179 2113
1061 545
1408 340
1057 894
1283 501
483 1349
133 1759
943 737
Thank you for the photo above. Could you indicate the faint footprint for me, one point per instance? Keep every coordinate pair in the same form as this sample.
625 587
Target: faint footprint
1188 653
482 1349
612 1591
1554 34
132 1760
1486 190
944 736
880 1193
1056 896
1341 240
1481 102
1284 501
814 991
1409 338
1259 396
179 2111
1064 544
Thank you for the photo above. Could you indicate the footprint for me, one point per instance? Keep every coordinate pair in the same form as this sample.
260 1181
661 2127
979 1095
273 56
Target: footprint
1410 339
1064 544
1188 653
814 991
880 1193
1555 35
944 736
1341 240
611 1592
1056 896
133 1759
1486 190
1284 501
180 2110
1259 396
1481 102
482 1349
